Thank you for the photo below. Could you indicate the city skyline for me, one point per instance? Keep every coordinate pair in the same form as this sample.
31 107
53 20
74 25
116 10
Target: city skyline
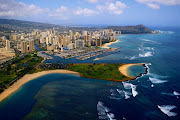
95 12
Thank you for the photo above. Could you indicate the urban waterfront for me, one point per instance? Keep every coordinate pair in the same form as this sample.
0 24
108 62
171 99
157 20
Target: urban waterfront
65 96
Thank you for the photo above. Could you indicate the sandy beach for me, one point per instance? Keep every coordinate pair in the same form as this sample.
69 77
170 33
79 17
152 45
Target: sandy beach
107 44
27 78
123 69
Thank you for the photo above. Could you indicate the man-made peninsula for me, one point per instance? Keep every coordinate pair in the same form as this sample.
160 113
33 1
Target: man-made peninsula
112 72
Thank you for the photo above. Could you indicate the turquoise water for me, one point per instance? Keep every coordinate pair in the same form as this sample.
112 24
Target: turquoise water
154 96
135 70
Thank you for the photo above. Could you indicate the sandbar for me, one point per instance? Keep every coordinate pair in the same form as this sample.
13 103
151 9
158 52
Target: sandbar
28 77
107 44
124 68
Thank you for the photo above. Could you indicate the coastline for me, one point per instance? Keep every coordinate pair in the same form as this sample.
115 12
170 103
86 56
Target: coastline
124 69
28 77
107 44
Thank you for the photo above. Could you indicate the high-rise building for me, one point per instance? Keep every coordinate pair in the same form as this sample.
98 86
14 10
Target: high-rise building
70 34
14 37
98 42
23 47
7 45
31 45
79 43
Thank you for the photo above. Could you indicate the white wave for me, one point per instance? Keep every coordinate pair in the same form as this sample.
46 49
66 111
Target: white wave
132 87
116 94
152 41
147 54
134 92
156 81
168 32
127 85
157 76
176 94
127 94
152 85
169 94
103 112
120 91
110 116
147 66
132 58
166 109
145 48
101 108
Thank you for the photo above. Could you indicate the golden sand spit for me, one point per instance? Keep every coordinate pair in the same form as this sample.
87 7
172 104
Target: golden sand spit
124 68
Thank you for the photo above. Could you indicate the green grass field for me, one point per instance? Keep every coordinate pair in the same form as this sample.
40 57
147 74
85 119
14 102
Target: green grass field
18 67
99 71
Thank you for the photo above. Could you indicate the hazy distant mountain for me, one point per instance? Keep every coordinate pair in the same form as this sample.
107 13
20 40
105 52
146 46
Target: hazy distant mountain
139 29
26 24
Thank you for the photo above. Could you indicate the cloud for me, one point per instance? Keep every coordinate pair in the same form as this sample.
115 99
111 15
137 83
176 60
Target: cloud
96 1
155 4
60 13
112 8
85 12
92 1
13 8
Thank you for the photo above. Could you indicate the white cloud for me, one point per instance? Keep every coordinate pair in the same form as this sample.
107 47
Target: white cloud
15 9
155 4
60 13
85 12
96 1
92 1
10 8
112 8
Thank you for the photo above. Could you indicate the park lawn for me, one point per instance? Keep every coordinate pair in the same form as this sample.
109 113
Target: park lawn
15 70
99 71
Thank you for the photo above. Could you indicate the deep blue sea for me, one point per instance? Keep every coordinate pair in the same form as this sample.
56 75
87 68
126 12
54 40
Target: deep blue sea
155 96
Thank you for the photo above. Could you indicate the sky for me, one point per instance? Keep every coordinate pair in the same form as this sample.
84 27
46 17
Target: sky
95 12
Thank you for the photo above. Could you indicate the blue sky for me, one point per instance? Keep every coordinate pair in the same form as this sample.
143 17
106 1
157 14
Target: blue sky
97 12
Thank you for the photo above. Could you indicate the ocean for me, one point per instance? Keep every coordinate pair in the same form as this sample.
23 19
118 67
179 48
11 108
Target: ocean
155 96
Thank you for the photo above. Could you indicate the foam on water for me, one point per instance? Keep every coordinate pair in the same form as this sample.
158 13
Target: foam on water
168 32
127 94
169 94
152 85
132 58
146 54
134 92
156 81
104 112
166 109
126 85
176 94
132 87
116 94
147 40
157 76
145 48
